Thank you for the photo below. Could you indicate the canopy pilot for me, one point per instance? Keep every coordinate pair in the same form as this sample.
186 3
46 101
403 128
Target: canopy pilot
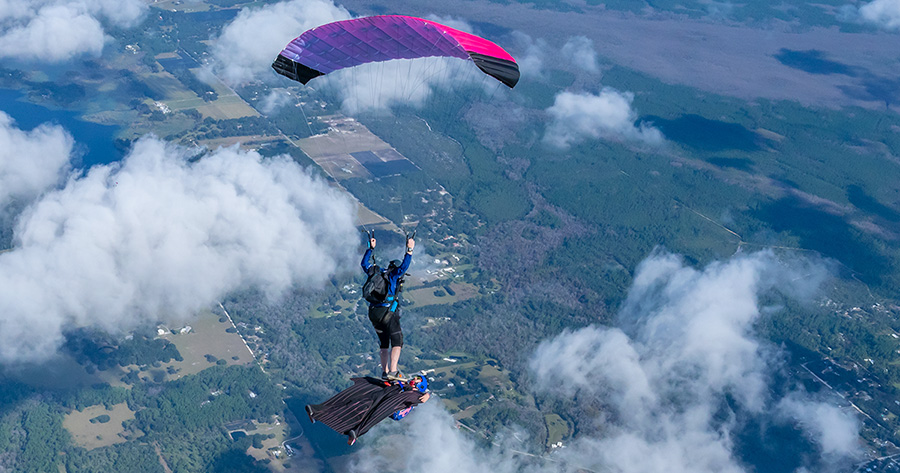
384 310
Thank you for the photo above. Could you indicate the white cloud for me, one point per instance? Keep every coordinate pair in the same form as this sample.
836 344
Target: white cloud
452 22
833 429
157 236
56 30
31 161
238 60
579 50
534 51
276 99
434 444
575 117
670 383
381 85
689 345
884 13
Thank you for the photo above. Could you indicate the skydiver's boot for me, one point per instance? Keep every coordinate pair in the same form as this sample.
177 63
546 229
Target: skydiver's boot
396 376
309 412
351 437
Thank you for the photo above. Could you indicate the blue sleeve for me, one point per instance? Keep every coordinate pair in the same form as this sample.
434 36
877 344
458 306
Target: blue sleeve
403 266
367 260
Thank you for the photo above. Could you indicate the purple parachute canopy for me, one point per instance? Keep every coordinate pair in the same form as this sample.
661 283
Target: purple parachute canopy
349 43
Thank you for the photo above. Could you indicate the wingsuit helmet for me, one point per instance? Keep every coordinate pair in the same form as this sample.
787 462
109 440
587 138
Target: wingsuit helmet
394 264
419 383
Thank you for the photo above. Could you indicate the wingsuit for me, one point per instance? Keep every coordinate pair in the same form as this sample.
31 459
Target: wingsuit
357 409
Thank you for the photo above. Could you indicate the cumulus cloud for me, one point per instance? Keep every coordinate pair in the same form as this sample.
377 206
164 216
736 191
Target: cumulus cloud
379 86
576 116
160 235
673 380
579 51
435 445
884 13
686 345
833 429
276 99
452 22
532 55
56 30
31 161
237 60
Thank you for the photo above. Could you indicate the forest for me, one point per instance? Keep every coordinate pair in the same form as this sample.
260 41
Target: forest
553 237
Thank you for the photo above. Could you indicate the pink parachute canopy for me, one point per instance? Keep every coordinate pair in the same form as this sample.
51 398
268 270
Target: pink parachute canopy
349 43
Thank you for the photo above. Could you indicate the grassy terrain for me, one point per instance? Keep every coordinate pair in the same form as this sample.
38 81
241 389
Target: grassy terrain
224 108
208 336
94 435
425 296
345 136
557 429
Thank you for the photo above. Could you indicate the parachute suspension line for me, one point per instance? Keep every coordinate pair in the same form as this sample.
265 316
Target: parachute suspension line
461 76
304 116
380 91
429 69
497 87
402 215
408 85
354 90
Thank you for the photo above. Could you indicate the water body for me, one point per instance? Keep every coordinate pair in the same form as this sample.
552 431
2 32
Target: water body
94 143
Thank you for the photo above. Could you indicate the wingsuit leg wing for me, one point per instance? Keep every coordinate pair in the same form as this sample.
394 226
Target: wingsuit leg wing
361 406
345 410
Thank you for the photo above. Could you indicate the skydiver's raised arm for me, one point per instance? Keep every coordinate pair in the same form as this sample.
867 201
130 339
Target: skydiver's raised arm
367 260
407 258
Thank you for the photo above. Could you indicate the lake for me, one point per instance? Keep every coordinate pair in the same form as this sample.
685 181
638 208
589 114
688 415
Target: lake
94 143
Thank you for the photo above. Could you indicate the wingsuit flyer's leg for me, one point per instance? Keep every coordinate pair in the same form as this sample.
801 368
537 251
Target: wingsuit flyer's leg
345 410
358 408
392 399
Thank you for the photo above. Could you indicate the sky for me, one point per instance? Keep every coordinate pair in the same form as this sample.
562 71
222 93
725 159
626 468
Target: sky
671 386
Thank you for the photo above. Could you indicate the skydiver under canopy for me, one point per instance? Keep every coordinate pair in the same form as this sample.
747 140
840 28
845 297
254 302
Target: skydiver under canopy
382 291
355 410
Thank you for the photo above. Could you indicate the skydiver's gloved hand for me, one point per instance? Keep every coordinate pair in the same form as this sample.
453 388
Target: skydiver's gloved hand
410 244
371 243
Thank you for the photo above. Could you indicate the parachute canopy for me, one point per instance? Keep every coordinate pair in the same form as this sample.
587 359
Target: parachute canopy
349 43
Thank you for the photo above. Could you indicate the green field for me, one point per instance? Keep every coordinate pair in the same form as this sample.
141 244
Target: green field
208 336
557 429
345 136
226 107
425 296
94 435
